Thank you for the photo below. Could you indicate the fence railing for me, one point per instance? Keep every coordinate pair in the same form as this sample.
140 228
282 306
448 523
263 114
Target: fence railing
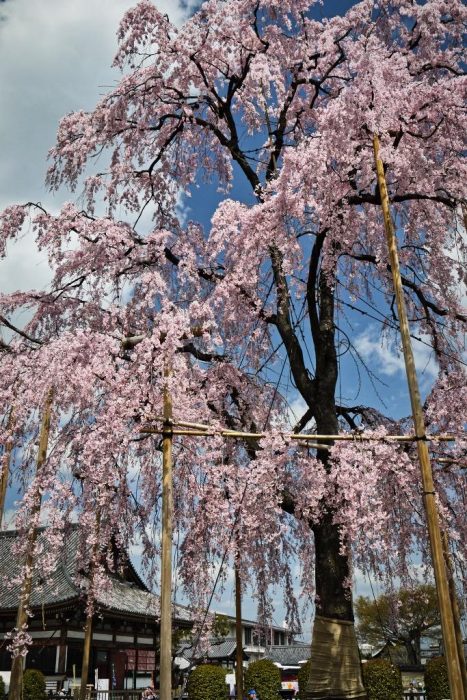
136 695
105 694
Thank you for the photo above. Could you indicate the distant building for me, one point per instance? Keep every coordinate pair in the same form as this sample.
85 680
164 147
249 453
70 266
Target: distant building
256 639
125 642
125 630
221 652
223 649
289 659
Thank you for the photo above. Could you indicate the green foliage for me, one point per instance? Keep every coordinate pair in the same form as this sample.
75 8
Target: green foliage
33 685
303 675
221 626
436 679
179 635
265 678
382 680
404 616
207 682
2 688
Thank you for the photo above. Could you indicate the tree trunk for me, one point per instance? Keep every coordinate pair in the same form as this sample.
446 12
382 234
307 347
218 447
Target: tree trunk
413 647
335 670
333 600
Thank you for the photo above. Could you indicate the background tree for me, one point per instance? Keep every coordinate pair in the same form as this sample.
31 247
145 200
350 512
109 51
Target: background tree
302 677
34 685
403 617
382 680
266 94
436 678
207 682
264 677
220 626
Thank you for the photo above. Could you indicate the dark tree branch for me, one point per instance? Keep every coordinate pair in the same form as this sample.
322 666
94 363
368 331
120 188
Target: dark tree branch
303 422
425 302
9 325
312 284
200 355
284 325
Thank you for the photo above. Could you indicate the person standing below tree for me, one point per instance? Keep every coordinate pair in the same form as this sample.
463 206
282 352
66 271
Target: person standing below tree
149 694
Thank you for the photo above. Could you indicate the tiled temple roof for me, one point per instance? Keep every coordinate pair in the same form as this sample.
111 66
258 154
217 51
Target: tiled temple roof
123 595
219 649
288 655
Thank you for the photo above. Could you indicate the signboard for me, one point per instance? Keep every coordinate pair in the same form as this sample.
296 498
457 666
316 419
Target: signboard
290 685
103 686
6 679
230 680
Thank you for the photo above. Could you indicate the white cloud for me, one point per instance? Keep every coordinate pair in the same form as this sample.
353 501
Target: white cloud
297 407
9 516
55 58
365 585
387 357
25 267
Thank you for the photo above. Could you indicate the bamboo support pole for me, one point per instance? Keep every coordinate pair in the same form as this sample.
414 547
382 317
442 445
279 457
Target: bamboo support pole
434 530
238 633
213 430
86 657
6 458
16 678
166 563
455 610
88 627
456 462
305 437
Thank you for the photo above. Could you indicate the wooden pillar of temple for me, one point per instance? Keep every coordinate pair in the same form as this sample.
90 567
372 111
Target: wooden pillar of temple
62 651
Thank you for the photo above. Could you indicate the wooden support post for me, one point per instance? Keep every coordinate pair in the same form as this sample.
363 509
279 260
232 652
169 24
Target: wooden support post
89 617
62 651
87 644
166 563
238 633
455 610
86 657
16 678
135 669
434 530
6 457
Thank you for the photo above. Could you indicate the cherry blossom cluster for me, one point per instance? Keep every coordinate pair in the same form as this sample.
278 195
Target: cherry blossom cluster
20 641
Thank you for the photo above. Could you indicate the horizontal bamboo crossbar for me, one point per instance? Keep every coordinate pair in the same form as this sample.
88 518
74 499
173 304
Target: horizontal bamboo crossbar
448 461
223 433
201 430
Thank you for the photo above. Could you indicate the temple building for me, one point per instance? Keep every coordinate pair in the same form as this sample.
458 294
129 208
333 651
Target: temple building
125 625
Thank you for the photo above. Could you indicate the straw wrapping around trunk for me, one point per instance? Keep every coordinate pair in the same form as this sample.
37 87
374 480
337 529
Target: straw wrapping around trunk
335 662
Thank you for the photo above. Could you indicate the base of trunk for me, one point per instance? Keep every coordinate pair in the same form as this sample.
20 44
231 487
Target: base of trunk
335 662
